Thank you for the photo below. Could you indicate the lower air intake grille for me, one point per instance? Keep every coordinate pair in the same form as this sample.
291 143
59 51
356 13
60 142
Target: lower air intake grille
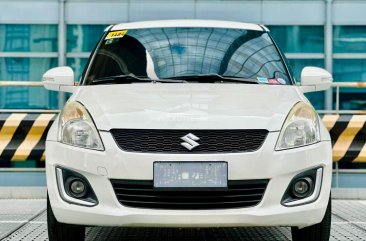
141 194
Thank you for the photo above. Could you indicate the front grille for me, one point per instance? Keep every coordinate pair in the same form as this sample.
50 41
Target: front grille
141 194
169 141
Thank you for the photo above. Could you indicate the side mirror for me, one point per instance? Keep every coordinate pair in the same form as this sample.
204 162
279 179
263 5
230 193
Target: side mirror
59 79
315 79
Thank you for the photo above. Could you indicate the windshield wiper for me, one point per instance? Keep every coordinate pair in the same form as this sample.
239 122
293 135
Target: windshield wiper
131 78
127 79
213 78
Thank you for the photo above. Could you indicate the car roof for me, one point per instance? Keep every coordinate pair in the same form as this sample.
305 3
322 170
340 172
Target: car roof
187 23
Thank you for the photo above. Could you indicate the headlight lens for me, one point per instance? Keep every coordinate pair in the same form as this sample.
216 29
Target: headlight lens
301 128
77 128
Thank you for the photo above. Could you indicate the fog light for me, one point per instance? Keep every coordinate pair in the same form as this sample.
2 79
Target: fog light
302 187
77 187
74 188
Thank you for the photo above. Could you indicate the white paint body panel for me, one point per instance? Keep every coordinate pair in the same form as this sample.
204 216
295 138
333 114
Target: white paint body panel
316 78
188 106
58 77
187 23
280 167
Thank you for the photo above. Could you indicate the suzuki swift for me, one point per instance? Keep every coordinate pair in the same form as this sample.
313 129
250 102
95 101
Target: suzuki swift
188 123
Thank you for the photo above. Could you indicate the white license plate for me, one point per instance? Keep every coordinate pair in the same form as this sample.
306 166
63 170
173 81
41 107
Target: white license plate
190 174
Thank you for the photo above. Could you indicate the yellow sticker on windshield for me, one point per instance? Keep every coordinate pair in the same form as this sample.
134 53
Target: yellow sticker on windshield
116 34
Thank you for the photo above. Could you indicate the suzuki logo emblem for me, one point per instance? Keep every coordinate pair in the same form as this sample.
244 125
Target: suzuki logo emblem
190 141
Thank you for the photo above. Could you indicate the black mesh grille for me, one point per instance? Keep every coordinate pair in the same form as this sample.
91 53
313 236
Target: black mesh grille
168 141
141 194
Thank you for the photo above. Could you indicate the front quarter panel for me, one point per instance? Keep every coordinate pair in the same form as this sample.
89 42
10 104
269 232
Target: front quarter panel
324 133
52 133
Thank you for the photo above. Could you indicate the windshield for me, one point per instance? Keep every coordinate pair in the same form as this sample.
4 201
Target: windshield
188 54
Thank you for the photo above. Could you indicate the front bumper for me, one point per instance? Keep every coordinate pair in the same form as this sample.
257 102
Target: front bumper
99 167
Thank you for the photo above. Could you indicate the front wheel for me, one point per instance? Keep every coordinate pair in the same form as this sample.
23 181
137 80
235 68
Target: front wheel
61 231
318 232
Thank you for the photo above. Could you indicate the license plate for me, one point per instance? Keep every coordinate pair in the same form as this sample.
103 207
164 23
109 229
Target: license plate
190 175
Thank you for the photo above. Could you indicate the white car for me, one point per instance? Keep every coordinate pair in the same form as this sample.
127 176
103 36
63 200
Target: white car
188 123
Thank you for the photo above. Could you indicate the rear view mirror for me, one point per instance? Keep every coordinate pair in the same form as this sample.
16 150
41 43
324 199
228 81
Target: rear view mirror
315 79
59 79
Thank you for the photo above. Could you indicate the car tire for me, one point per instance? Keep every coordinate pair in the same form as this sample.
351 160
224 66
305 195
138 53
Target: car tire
318 232
61 231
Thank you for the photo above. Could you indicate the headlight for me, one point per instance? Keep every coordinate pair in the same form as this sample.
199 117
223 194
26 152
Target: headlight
77 128
301 128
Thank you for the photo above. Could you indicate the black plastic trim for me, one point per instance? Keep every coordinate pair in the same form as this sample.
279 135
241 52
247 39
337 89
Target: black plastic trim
141 194
90 194
288 195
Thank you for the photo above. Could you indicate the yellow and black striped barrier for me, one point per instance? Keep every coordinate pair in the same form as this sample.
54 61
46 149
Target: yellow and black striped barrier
348 133
22 137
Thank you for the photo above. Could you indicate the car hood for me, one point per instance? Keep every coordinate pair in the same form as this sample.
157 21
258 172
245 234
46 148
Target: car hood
188 106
